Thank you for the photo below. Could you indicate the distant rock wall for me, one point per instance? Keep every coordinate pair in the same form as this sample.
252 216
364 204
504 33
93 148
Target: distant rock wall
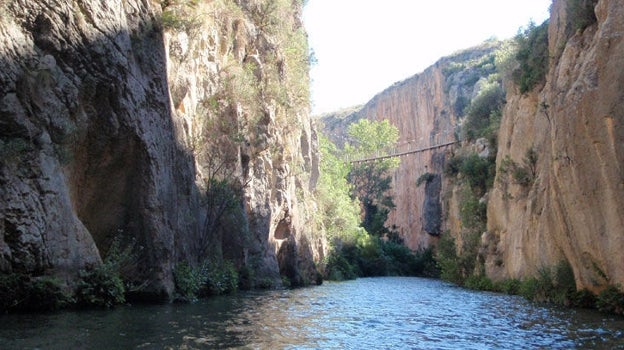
113 115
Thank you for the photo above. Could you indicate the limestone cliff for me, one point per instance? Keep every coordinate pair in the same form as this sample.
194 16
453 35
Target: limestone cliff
116 118
574 208
427 109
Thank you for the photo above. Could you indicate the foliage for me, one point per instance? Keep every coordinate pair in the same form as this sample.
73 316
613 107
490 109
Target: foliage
373 256
611 300
425 178
484 112
448 260
371 180
505 60
479 282
338 268
222 201
532 56
583 298
187 280
473 212
100 286
23 293
508 286
581 13
553 285
367 137
479 172
524 174
219 278
339 213
207 279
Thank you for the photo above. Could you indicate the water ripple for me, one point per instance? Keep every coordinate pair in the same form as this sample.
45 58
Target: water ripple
379 313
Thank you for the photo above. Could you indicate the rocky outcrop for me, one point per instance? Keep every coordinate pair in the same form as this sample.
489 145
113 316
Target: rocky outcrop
116 117
573 209
427 109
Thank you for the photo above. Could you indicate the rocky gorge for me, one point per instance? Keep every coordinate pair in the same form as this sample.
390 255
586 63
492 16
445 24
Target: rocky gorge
176 134
567 203
177 131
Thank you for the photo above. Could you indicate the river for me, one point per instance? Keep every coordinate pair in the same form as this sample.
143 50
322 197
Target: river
368 313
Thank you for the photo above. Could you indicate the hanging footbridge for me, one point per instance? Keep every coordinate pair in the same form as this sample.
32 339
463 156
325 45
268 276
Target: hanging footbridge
435 141
397 153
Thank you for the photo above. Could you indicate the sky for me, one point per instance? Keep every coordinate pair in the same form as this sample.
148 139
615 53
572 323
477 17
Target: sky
364 46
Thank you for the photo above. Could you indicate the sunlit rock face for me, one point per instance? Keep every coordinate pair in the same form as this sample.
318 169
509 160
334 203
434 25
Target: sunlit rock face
574 210
113 116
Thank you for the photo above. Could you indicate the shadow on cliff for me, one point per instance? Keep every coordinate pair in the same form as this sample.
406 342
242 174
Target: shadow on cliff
87 99
95 105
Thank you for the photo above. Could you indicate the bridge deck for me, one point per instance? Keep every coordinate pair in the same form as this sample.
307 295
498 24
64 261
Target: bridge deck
398 154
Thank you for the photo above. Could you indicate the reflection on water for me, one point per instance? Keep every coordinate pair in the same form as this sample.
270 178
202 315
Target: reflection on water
368 313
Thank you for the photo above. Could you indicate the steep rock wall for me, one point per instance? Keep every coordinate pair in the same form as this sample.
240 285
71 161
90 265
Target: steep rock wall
103 138
574 208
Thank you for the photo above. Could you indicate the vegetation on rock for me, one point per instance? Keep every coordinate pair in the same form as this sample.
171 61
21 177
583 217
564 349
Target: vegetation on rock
367 247
532 56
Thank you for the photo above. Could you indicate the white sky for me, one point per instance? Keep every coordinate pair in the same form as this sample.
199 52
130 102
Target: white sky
364 46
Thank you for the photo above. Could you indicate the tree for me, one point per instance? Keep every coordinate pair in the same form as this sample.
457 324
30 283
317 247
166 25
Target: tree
371 180
339 212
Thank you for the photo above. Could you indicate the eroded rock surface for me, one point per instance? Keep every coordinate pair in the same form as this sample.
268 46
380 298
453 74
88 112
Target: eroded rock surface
114 114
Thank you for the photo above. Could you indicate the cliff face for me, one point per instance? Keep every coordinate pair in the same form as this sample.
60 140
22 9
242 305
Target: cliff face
427 110
574 208
118 119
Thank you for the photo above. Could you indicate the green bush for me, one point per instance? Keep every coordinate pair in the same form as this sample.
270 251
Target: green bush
452 166
479 172
479 282
532 56
188 281
484 112
208 279
23 293
425 178
522 176
555 285
528 288
509 286
583 298
218 278
338 268
100 286
447 259
424 264
581 13
611 300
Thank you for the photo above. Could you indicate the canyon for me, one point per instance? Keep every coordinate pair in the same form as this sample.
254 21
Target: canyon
572 208
178 130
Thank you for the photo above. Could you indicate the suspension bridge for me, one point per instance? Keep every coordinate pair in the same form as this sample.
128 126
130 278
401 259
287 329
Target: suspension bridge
401 150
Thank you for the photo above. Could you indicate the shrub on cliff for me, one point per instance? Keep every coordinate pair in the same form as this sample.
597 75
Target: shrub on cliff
208 279
187 281
581 13
20 292
532 56
100 286
553 285
484 113
611 300
338 268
